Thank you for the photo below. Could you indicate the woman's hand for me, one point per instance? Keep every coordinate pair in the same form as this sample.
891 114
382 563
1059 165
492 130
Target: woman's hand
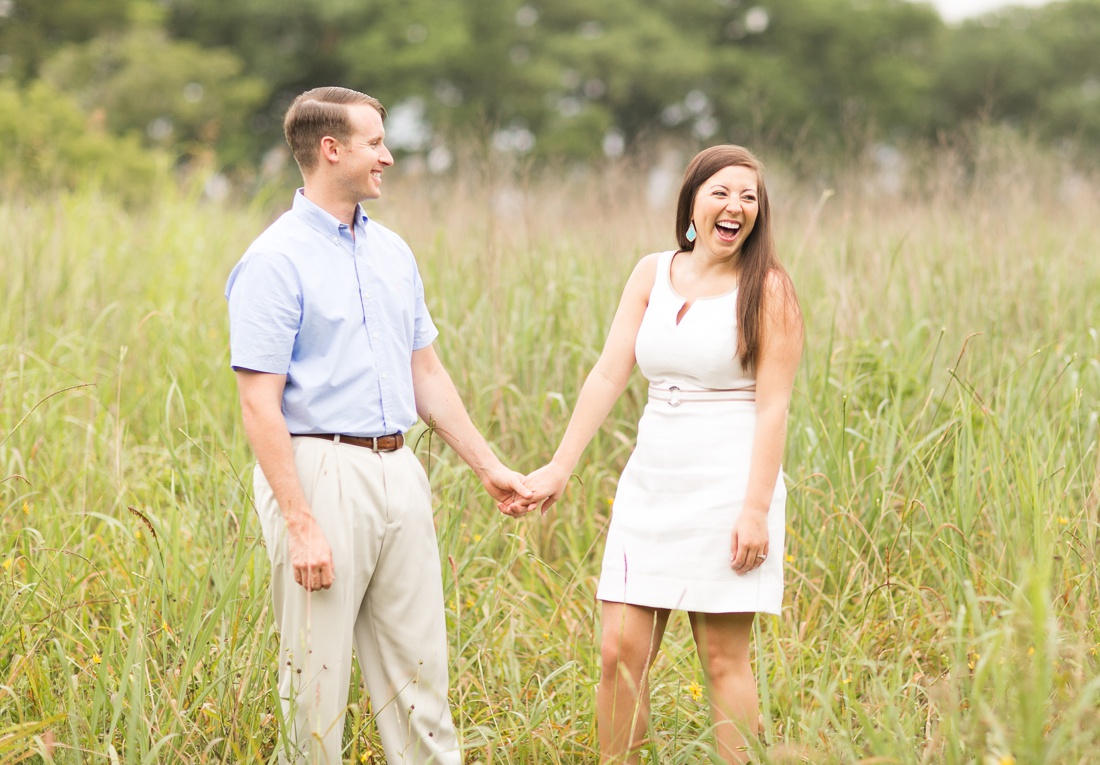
749 545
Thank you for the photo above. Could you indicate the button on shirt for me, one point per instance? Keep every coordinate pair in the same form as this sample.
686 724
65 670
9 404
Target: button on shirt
339 316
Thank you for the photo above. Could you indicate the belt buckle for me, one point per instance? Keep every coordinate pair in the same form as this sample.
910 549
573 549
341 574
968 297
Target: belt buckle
674 396
374 444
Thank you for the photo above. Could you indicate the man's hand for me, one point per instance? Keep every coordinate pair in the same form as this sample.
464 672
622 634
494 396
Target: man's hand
505 486
310 554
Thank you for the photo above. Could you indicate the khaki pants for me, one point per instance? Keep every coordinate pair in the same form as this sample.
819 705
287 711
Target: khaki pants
386 601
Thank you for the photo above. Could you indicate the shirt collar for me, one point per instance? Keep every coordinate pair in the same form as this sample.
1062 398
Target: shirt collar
320 219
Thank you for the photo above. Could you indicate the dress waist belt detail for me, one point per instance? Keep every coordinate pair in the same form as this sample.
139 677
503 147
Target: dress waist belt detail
675 395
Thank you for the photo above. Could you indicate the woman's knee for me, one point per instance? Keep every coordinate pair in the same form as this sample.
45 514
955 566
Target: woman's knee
724 645
624 653
720 665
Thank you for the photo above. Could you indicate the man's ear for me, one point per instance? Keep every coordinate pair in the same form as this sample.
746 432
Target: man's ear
330 149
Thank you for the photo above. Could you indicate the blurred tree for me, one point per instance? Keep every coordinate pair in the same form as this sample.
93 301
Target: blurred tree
623 65
1071 106
292 45
174 94
48 141
833 70
420 48
30 30
565 77
1034 68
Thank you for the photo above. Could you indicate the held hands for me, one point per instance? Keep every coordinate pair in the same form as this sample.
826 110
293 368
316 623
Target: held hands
749 545
545 487
505 486
310 554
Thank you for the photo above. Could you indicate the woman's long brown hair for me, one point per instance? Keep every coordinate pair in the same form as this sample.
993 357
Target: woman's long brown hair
758 256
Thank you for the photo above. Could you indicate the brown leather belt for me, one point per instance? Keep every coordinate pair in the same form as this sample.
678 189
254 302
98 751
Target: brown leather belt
389 443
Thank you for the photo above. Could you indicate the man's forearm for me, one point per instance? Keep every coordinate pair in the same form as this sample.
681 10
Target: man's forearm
271 444
267 433
439 405
441 408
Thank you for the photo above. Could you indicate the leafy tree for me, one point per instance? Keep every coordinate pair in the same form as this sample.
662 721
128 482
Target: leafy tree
565 77
623 59
30 30
572 74
827 68
292 45
173 93
49 141
1028 67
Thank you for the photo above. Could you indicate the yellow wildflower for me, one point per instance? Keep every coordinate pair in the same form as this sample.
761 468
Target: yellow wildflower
97 659
696 691
7 564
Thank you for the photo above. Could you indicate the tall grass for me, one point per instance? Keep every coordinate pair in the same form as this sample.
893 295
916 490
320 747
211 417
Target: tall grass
942 461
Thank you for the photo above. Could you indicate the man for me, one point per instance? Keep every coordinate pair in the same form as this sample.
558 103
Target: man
332 346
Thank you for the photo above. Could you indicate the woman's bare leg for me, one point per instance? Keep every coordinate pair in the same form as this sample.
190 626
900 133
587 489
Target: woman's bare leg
631 637
724 643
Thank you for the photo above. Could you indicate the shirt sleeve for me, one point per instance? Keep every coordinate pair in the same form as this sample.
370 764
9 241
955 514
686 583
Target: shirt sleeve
265 312
424 330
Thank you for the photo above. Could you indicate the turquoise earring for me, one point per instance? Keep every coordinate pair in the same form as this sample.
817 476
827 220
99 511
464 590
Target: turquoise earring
690 235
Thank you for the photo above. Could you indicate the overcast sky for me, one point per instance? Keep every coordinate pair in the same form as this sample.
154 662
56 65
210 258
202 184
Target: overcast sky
954 10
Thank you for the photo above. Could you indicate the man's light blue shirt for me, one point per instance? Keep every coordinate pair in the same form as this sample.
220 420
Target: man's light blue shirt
339 316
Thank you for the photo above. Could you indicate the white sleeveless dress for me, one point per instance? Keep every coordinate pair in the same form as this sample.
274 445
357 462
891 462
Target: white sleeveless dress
668 545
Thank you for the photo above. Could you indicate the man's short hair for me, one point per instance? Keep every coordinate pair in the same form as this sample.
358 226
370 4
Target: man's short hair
320 112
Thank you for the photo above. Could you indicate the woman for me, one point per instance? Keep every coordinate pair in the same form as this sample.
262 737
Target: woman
698 515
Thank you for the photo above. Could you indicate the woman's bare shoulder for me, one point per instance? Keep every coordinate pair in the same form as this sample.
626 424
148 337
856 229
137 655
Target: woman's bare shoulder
644 275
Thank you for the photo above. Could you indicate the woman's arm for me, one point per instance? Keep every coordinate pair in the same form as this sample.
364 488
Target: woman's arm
601 389
780 353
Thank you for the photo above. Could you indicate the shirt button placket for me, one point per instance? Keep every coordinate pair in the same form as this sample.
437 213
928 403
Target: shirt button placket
380 358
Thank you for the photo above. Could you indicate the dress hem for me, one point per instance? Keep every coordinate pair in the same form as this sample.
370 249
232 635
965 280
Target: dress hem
710 609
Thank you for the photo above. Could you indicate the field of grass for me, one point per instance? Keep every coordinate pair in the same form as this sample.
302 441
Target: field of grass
943 588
